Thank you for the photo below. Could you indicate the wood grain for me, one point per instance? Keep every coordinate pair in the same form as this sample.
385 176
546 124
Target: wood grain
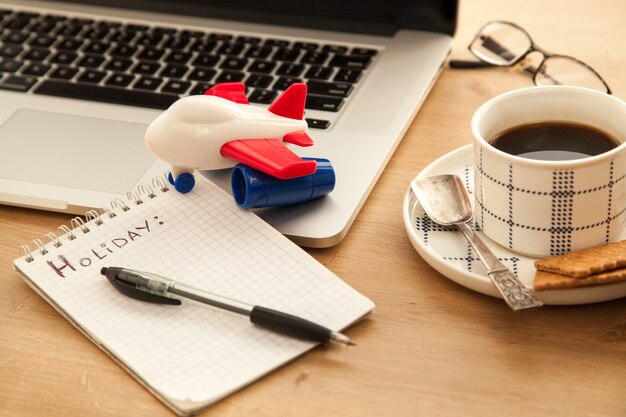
431 347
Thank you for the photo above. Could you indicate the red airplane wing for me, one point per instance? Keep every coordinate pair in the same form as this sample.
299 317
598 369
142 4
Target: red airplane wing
270 156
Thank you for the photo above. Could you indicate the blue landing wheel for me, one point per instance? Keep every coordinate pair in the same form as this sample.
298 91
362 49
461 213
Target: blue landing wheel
183 183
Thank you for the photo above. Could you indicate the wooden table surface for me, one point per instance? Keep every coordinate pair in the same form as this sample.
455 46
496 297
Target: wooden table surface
431 347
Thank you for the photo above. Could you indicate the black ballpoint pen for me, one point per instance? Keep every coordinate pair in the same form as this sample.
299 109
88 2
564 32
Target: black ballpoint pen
153 288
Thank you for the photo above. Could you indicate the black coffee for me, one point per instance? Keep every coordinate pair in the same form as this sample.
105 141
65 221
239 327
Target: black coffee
554 141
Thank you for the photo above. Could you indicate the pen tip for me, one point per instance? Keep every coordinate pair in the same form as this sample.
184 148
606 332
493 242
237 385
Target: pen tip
103 270
342 339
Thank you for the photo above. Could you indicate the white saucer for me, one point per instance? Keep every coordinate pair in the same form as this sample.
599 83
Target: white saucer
446 250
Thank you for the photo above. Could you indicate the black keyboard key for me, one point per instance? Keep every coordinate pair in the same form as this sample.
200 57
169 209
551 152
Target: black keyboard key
91 76
44 26
63 73
150 39
106 94
350 61
177 43
348 75
364 51
290 69
318 73
248 39
176 87
36 54
263 96
17 23
192 33
146 68
221 37
107 24
259 80
337 49
174 71
203 45
329 89
178 57
317 123
15 37
122 36
10 65
150 54
200 89
258 51
70 29
119 80
165 31
63 57
17 83
202 74
233 63
284 82
90 61
309 46
286 55
97 33
136 28
27 15
323 103
10 50
81 21
36 69
315 57
264 67
96 47
281 43
206 60
125 51
230 77
53 17
147 83
118 64
69 44
233 49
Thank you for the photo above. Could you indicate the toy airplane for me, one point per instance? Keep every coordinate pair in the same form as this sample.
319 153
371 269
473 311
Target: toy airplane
220 128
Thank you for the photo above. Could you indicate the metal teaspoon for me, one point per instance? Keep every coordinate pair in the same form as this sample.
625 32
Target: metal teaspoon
445 200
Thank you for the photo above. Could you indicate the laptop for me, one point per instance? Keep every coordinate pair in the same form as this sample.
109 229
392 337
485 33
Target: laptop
81 80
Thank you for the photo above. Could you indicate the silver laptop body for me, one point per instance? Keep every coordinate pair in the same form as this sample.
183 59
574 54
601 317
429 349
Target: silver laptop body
70 154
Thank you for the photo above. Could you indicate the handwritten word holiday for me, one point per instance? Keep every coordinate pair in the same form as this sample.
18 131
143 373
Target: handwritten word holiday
64 266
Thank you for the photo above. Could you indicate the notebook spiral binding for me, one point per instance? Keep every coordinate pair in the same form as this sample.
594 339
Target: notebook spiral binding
95 217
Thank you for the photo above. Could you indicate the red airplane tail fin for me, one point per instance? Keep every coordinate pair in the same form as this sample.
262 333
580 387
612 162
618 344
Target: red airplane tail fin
290 103
230 91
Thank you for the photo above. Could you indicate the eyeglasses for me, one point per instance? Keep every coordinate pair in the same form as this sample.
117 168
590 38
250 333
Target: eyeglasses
505 44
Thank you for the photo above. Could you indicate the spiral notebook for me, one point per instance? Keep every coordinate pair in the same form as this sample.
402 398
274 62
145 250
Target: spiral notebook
191 355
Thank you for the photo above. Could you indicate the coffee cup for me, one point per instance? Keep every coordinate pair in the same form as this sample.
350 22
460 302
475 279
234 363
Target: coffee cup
563 202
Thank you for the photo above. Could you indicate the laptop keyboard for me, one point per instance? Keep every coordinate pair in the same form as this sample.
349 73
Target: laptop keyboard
150 66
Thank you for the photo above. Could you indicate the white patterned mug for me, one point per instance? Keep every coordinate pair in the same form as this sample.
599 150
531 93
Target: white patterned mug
544 208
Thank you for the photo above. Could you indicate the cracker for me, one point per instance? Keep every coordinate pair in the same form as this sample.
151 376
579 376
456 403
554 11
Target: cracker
586 262
550 281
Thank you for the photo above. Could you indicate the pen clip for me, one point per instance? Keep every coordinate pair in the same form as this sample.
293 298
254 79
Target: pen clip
134 292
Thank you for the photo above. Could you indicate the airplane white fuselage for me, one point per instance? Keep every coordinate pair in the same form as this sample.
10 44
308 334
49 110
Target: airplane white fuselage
190 134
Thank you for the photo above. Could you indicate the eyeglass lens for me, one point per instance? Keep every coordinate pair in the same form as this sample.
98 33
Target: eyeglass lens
500 43
557 70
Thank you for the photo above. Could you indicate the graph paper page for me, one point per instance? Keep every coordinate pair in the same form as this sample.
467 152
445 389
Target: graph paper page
193 353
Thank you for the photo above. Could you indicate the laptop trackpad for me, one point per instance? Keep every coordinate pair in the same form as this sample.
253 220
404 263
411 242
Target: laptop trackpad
73 151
